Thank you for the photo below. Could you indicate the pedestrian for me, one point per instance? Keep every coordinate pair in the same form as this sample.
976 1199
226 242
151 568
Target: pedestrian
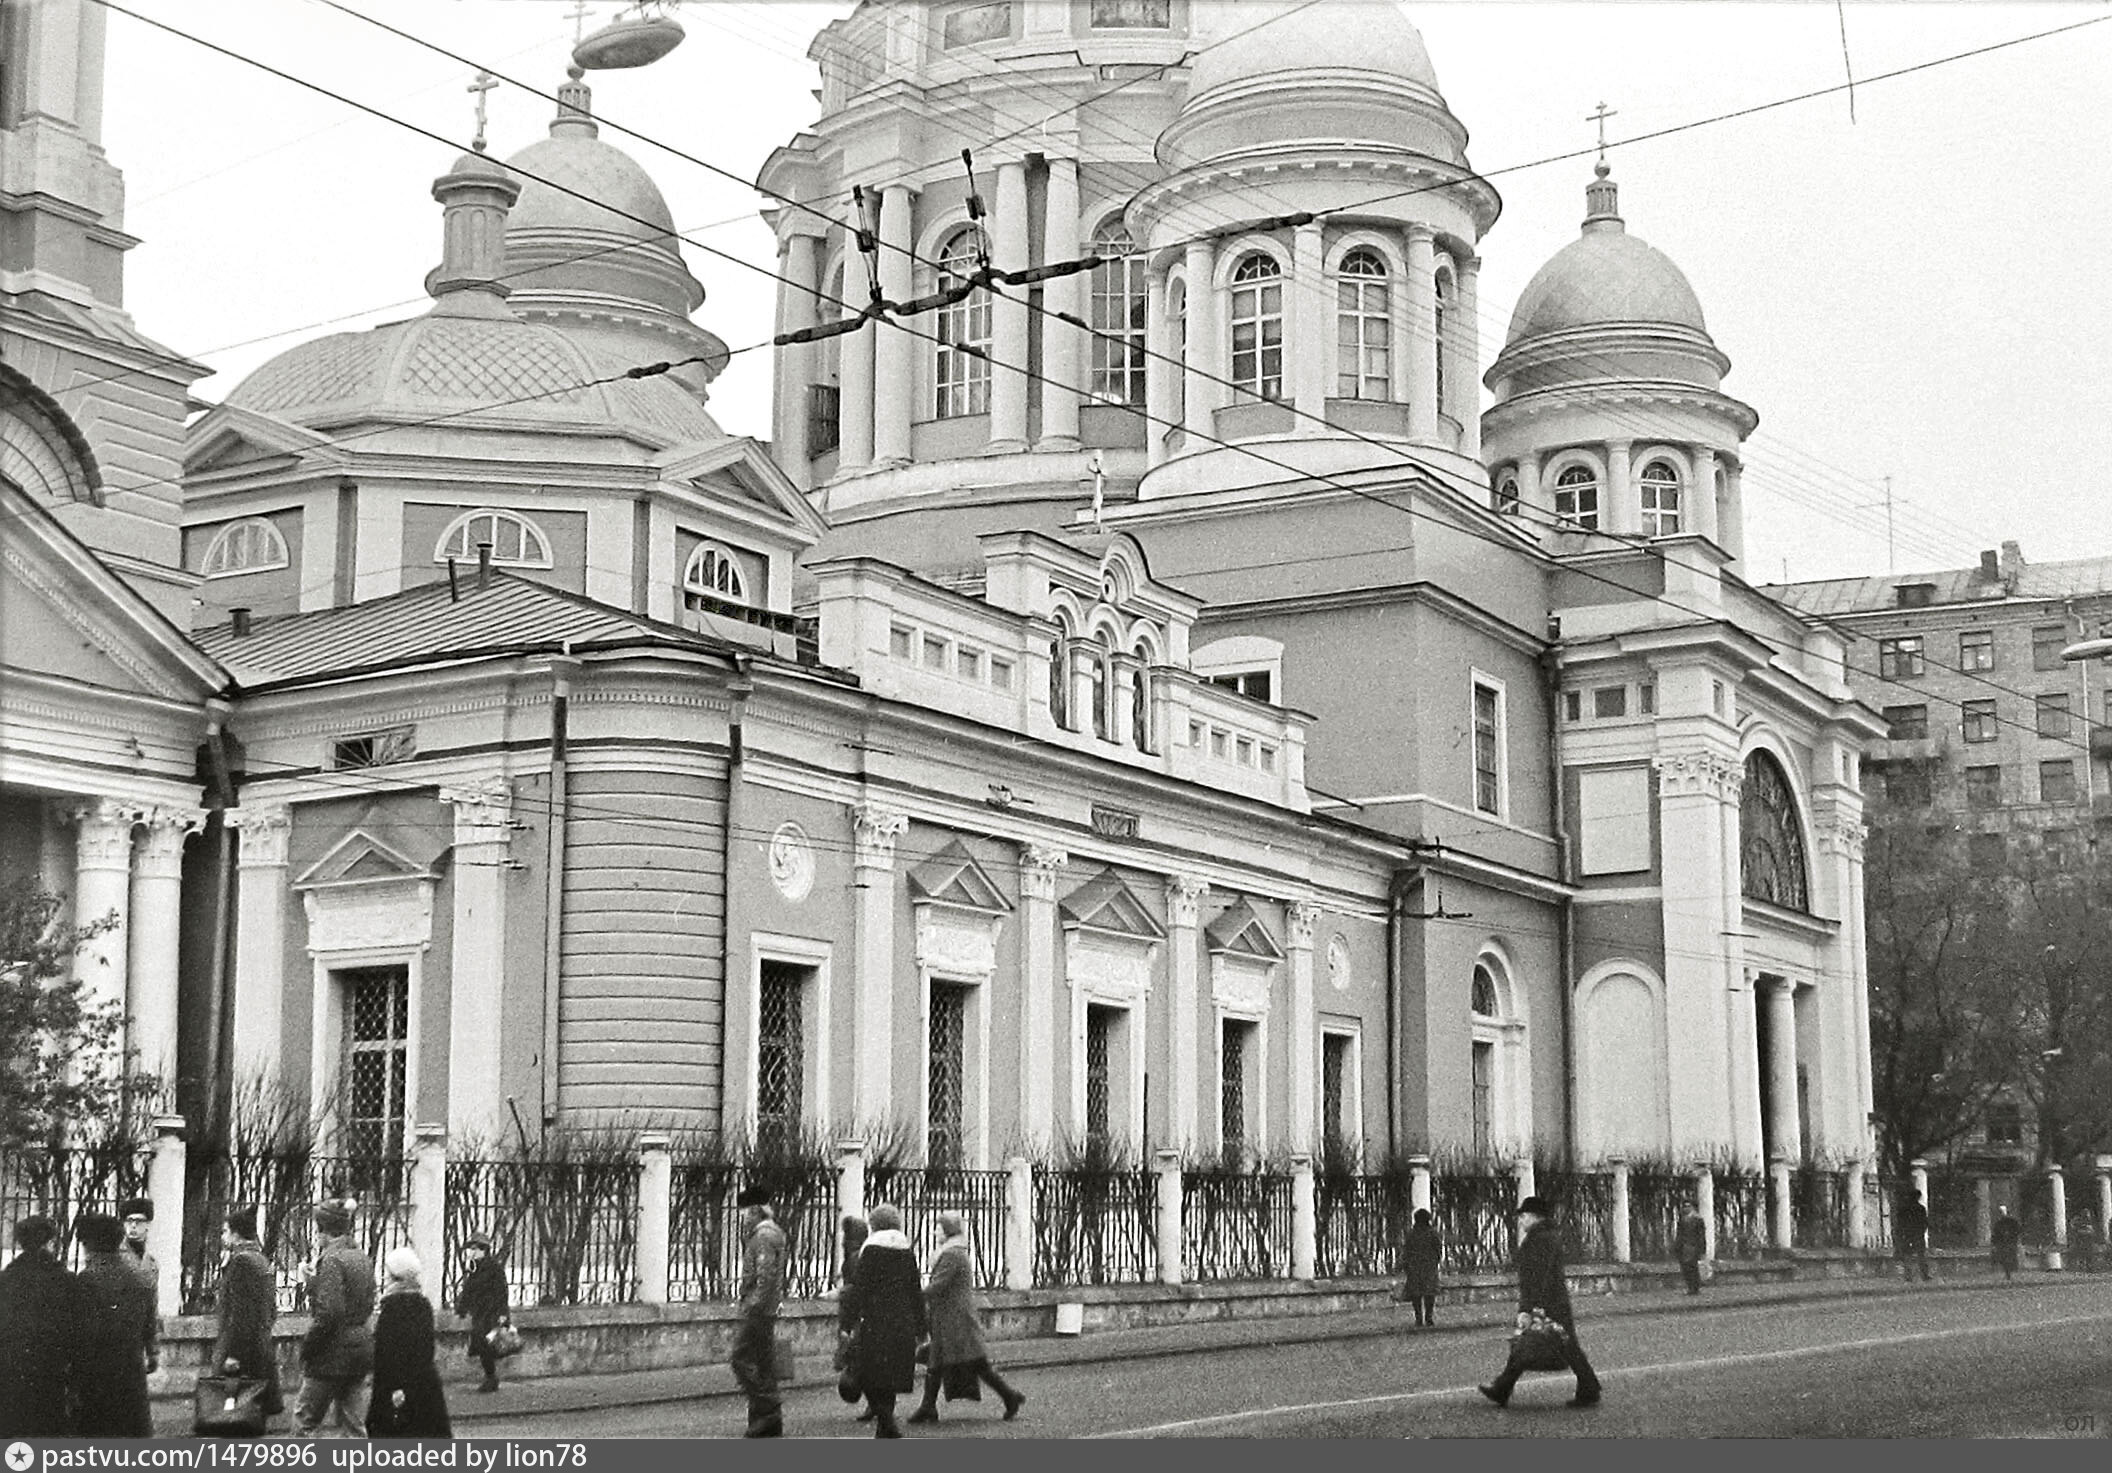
885 1303
337 1354
1691 1241
2005 1236
855 1232
137 1214
406 1400
762 1291
248 1306
1542 1286
115 1332
959 1360
2082 1237
1421 1251
482 1301
39 1319
1910 1234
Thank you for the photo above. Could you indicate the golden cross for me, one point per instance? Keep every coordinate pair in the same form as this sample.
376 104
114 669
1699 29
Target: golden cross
484 83
1604 112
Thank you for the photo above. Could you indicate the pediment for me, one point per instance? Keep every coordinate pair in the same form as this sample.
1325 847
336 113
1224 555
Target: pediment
740 472
952 877
1107 905
229 438
360 859
1238 931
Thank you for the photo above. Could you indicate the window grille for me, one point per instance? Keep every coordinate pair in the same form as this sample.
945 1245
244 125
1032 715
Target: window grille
376 1058
1118 308
1508 501
1099 1083
1609 703
1577 497
780 1056
515 542
1771 837
1334 1095
1232 1086
963 330
1257 327
251 545
712 575
1976 649
1488 757
1140 702
1660 492
1363 329
1484 1099
944 1101
374 748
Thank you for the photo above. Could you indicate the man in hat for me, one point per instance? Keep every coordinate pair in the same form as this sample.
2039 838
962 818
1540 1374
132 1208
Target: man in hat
1691 1241
1910 1233
116 1333
247 1307
39 1318
1542 1285
137 1214
337 1354
762 1289
482 1301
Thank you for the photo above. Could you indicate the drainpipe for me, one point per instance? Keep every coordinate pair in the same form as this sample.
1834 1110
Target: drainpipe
738 689
1406 878
562 672
1566 921
220 985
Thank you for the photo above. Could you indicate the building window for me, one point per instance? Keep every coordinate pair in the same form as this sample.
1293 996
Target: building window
2053 715
1577 497
1771 837
975 24
1907 723
1236 1039
824 418
1660 491
1914 595
2005 1123
1440 331
1121 15
1140 701
712 576
1363 329
1254 684
1646 698
1508 502
251 545
780 1056
1609 703
374 748
1976 649
1484 1087
1338 1123
1488 748
1257 327
962 374
515 542
2047 642
2057 781
1983 787
1981 724
1907 784
1103 691
1099 1080
946 1083
376 1059
1899 658
1572 706
1988 854
1118 317
1060 675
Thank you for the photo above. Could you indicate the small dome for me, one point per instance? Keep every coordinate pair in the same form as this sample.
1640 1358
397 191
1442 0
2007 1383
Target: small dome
593 168
1604 279
1316 38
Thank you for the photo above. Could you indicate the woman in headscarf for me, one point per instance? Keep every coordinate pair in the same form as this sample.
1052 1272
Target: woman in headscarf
884 1306
855 1232
959 1359
406 1400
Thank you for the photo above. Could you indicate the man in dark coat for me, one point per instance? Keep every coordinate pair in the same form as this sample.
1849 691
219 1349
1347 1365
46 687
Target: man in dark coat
137 1214
762 1290
116 1334
2006 1235
39 1320
1910 1233
247 1307
1421 1253
338 1352
885 1305
1543 1286
959 1359
482 1301
1690 1240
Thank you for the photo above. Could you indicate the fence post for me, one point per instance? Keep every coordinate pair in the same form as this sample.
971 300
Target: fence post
656 1200
1522 1174
1705 1205
165 1232
1918 1175
2057 1185
1167 1163
1019 1223
1305 1225
1983 1210
850 1179
2104 1197
1623 1244
429 1201
1858 1229
1419 1183
1780 1219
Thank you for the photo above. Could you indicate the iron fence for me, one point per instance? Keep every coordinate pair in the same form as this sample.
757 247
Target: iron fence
922 1193
1880 1199
1741 1213
704 1231
284 1187
1095 1226
1954 1210
565 1231
1583 1203
1818 1207
65 1182
1474 1212
2034 1208
1657 1198
1236 1224
1362 1223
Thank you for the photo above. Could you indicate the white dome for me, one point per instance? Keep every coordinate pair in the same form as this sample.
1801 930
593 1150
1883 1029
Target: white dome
1606 277
1315 38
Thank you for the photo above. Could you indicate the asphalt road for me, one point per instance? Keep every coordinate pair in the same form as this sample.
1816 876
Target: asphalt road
2025 1360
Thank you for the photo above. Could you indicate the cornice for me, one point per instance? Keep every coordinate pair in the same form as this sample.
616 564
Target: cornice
97 637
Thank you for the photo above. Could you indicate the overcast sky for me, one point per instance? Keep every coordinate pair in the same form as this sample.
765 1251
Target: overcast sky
1919 293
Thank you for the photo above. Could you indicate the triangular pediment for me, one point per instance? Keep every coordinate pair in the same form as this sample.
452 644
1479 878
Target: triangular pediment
228 438
739 471
1108 905
361 859
1238 931
952 877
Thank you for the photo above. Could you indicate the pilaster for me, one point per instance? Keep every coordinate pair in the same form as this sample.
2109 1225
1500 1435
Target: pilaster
1038 870
1300 918
1161 377
1701 495
854 368
1697 820
1311 308
1201 370
1466 350
873 833
102 895
1184 895
476 1096
262 831
1620 512
156 935
1419 343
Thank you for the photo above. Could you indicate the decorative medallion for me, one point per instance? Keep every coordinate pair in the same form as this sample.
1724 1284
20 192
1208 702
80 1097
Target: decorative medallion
1338 961
791 862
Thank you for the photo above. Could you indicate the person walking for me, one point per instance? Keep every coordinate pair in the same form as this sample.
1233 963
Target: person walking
1421 1252
762 1291
2005 1237
885 1305
247 1306
2082 1237
959 1360
855 1232
39 1317
338 1352
1690 1240
1543 1286
482 1301
1911 1233
406 1400
137 1214
115 1335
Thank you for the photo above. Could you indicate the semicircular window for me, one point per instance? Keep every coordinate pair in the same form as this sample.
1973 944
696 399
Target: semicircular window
713 574
251 545
515 542
1770 837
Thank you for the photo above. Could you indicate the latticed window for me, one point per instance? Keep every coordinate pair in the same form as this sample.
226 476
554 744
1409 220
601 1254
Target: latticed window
1099 1082
251 545
963 331
515 542
780 1055
1232 1085
712 574
376 1058
1771 837
1660 492
1257 327
1488 749
944 1110
1363 329
1577 497
1335 1094
1118 318
1484 1099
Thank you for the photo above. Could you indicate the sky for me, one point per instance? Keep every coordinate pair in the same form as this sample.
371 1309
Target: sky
1913 295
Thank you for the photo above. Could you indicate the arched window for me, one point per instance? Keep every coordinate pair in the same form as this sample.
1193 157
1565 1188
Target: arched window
1440 328
1140 706
1499 1075
251 545
1177 313
1118 317
1103 690
1577 497
1481 1000
1660 490
963 331
1363 329
1507 499
1257 327
712 575
1771 837
515 541
1060 673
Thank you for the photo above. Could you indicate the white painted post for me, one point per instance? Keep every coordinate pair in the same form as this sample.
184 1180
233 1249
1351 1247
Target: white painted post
165 1232
1419 1183
2104 1198
1918 1174
2057 1184
1623 1242
1019 1224
1305 1225
656 1202
850 1179
1781 1221
1169 1169
1705 1205
1858 1228
428 1201
1522 1174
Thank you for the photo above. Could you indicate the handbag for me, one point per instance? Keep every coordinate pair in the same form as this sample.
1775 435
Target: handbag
1539 1344
847 1385
503 1341
784 1365
228 1406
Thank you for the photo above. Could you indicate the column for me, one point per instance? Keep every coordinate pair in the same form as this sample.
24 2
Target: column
1730 518
1619 511
1298 953
1310 311
873 925
2057 1188
102 895
894 349
1781 1221
1037 1034
1858 1226
2104 1197
1419 343
1062 374
156 930
1159 372
1466 354
1167 1165
1419 1183
260 939
656 1195
429 1199
1008 313
1705 1204
1537 507
854 371
1019 1223
476 1091
1184 895
165 1188
798 302
1203 362
1122 707
1622 1232
1983 1211
1779 996
850 1179
1698 817
1701 496
1305 1228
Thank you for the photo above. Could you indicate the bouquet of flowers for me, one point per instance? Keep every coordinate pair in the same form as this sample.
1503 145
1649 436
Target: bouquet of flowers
1539 1343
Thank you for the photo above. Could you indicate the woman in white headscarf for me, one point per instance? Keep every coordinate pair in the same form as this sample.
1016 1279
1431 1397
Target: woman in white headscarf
407 1400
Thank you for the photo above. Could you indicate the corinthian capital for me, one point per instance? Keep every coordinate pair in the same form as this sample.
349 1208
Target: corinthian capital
161 845
1301 916
1698 775
873 831
1037 871
263 829
1184 896
1843 836
483 810
104 837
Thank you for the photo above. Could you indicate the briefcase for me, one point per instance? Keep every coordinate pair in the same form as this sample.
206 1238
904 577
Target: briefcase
228 1406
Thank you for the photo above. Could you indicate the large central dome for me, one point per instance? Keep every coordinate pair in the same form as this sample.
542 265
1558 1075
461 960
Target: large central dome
1379 38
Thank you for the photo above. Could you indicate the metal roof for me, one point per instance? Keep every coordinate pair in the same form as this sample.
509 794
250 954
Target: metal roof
1832 597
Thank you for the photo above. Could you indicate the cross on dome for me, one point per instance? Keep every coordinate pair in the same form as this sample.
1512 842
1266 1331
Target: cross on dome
1600 116
481 87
